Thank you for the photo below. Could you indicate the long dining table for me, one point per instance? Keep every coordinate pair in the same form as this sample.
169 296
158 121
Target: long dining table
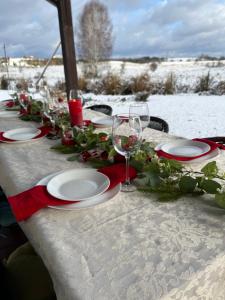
130 247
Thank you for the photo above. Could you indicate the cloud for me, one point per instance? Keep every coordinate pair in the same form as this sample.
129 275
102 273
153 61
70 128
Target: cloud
141 27
28 27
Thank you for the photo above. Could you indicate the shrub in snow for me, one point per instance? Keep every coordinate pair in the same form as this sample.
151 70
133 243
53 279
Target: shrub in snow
204 83
153 66
141 96
112 84
82 84
22 84
170 85
219 88
140 83
60 85
4 83
95 86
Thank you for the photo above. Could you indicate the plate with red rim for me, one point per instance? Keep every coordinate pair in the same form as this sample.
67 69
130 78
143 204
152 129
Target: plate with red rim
186 148
102 122
40 133
106 196
21 134
205 155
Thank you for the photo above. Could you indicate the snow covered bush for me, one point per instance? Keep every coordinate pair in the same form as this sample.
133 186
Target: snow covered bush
112 84
140 83
170 85
4 83
204 83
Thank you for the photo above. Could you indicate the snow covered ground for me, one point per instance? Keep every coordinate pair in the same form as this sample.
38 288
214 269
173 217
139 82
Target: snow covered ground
188 115
187 72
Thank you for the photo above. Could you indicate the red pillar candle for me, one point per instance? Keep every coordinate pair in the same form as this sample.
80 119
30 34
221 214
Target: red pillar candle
76 114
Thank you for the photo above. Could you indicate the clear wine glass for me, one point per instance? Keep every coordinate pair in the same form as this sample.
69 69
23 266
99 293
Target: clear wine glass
24 101
32 90
141 109
50 111
126 136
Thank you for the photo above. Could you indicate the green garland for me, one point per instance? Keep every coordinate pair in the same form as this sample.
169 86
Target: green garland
34 112
168 179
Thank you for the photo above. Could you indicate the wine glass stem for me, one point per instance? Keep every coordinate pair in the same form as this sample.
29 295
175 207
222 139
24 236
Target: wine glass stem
127 157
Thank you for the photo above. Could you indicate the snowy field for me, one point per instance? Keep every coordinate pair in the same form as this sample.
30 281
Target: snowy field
188 115
186 71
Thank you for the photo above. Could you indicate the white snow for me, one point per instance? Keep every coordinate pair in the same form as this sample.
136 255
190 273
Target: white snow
188 115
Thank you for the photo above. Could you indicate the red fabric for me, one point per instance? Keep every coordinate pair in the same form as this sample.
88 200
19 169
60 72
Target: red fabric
212 145
44 131
117 173
86 122
9 103
25 204
76 114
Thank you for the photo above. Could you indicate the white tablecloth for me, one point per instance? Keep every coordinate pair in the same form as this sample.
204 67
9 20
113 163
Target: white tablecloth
130 247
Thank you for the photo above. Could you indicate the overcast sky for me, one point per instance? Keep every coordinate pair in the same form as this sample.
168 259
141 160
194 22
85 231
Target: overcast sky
174 28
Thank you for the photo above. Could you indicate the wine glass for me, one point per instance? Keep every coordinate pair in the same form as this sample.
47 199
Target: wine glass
126 137
50 111
24 101
32 90
141 109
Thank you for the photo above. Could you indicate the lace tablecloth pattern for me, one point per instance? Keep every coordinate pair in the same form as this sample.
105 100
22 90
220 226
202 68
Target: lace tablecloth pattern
130 247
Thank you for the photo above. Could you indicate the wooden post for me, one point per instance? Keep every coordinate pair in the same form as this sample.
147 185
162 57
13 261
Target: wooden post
67 41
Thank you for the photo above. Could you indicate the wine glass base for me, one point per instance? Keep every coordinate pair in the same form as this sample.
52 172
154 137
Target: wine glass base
127 188
51 136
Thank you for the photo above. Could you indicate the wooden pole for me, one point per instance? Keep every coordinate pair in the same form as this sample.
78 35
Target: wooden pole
67 41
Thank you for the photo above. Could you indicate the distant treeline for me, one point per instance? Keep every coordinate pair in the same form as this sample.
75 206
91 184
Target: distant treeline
141 60
208 57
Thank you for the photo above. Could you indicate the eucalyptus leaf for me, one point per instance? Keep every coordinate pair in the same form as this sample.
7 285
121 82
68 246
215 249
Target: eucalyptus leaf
220 200
164 197
73 158
210 186
64 149
210 170
187 184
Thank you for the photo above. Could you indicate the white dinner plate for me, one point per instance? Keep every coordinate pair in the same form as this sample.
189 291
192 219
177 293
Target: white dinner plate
186 148
83 204
8 114
200 159
102 122
21 134
78 184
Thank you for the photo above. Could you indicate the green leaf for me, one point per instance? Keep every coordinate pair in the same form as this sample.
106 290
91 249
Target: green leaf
95 163
210 186
220 200
112 153
73 158
138 165
187 184
164 197
64 149
154 179
210 170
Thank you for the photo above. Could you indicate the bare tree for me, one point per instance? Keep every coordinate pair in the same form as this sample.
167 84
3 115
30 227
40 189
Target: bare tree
95 39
